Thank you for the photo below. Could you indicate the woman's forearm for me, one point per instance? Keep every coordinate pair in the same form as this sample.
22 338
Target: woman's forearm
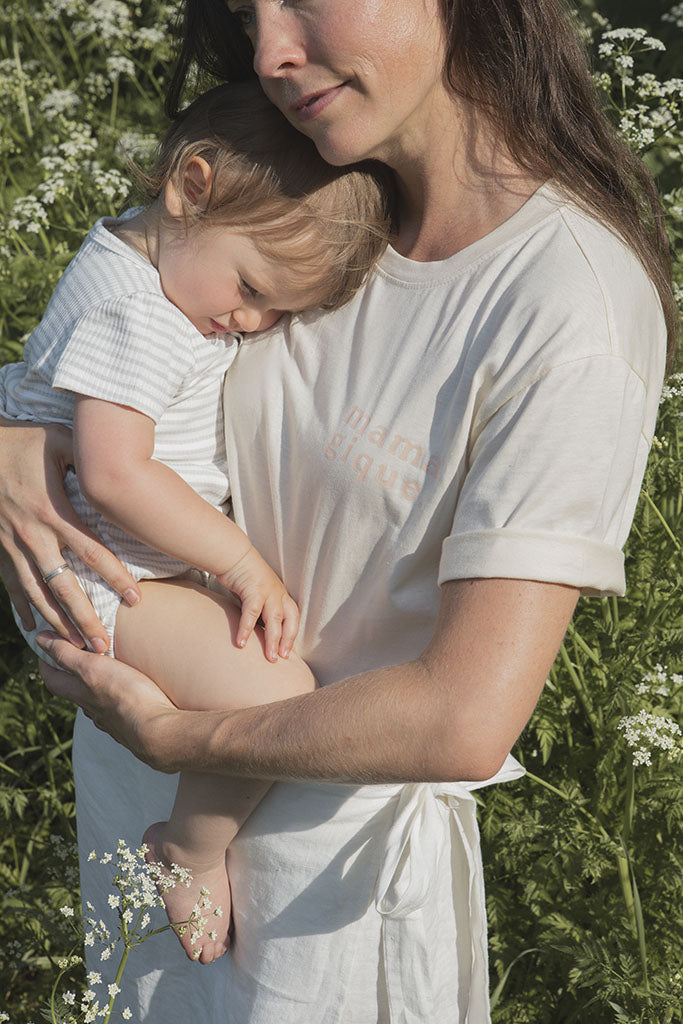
453 713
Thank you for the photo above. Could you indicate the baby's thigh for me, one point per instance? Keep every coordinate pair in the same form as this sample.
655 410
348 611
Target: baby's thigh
183 637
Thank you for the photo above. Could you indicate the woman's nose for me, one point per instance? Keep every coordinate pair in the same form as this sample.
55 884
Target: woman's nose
278 44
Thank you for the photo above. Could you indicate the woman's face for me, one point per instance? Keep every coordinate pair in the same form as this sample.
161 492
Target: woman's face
362 78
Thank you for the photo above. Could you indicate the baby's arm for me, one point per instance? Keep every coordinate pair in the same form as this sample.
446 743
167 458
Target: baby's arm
113 447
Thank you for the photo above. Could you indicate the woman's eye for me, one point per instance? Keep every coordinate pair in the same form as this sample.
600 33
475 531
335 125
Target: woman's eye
243 16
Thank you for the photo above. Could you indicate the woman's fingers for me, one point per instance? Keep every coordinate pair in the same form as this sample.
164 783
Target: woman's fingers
65 685
119 699
37 522
61 600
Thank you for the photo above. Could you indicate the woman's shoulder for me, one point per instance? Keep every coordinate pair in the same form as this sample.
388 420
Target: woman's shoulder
569 288
585 266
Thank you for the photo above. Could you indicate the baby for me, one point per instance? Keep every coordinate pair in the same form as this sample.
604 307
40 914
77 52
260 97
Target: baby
244 221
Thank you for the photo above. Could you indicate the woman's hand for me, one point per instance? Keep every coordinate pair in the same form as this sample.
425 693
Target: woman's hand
119 699
37 522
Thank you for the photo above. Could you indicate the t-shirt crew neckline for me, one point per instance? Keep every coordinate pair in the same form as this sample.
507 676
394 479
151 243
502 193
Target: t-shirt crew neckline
393 266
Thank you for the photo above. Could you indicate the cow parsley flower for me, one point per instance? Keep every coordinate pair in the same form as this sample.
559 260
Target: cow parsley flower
646 732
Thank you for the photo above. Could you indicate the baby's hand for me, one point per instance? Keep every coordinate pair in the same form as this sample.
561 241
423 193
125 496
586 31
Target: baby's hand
263 594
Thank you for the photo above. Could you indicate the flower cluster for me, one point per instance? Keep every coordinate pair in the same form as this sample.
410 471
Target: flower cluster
673 387
645 108
658 682
646 731
675 15
138 887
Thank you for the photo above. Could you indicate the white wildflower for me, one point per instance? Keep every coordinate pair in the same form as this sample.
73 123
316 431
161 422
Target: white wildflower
113 989
126 1014
625 34
28 213
113 901
94 978
624 60
59 101
675 15
69 998
136 145
149 38
646 731
117 65
67 911
106 19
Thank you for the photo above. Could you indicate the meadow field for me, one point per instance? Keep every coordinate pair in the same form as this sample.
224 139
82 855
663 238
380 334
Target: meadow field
582 856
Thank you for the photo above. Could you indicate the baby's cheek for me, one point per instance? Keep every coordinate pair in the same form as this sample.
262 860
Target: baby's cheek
269 318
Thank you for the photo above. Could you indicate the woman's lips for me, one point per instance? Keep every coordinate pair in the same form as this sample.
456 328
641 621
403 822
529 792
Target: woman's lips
310 106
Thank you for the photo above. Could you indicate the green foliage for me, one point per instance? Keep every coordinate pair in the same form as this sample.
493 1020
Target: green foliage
582 856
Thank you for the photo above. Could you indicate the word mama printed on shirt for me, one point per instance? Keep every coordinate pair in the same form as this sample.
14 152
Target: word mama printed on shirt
382 456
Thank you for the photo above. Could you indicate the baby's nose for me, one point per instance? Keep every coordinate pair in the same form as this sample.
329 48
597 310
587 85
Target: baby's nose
246 319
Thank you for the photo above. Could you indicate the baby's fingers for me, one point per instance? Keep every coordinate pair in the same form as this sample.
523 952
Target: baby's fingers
251 611
273 618
290 625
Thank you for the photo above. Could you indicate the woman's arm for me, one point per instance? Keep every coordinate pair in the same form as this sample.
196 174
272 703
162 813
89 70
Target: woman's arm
452 714
37 522
118 474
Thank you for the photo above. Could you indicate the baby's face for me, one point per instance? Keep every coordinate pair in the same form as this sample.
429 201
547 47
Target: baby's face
221 282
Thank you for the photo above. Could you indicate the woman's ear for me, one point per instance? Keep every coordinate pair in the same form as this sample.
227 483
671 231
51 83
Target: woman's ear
196 188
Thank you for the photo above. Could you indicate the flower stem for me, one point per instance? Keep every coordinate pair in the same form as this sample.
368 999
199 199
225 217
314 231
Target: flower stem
117 979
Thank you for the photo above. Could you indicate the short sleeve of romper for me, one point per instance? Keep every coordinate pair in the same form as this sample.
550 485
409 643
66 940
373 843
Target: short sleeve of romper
128 350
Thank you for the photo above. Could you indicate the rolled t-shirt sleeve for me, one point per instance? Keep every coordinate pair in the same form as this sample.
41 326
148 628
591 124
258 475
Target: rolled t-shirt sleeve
129 350
553 479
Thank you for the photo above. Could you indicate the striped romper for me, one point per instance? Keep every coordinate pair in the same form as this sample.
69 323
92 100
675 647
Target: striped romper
109 332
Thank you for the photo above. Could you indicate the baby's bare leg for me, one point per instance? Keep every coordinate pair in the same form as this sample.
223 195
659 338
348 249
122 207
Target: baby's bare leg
183 637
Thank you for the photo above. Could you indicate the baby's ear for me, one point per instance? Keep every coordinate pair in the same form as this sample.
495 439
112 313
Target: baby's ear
196 188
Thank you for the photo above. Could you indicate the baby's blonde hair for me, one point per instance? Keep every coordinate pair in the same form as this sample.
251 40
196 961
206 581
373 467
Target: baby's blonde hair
328 224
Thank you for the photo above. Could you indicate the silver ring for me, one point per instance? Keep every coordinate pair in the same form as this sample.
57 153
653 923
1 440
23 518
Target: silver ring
55 572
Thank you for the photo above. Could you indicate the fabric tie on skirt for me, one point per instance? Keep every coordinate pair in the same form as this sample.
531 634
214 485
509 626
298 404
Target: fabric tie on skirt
430 819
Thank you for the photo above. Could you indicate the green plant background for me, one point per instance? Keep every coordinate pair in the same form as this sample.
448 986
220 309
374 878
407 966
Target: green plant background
582 856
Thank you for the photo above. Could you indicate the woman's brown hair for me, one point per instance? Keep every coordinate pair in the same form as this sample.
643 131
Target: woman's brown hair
521 62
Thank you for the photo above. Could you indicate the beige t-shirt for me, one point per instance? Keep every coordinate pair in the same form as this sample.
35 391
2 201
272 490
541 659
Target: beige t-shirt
486 415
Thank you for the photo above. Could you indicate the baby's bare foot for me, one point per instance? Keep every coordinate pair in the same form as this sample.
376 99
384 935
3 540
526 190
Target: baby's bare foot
181 901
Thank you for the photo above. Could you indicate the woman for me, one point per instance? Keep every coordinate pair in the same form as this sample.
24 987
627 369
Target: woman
436 471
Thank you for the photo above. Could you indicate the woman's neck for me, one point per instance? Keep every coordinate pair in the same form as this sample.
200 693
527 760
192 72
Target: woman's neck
456 190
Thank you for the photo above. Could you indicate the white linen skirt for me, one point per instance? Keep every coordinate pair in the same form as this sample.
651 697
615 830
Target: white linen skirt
352 905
